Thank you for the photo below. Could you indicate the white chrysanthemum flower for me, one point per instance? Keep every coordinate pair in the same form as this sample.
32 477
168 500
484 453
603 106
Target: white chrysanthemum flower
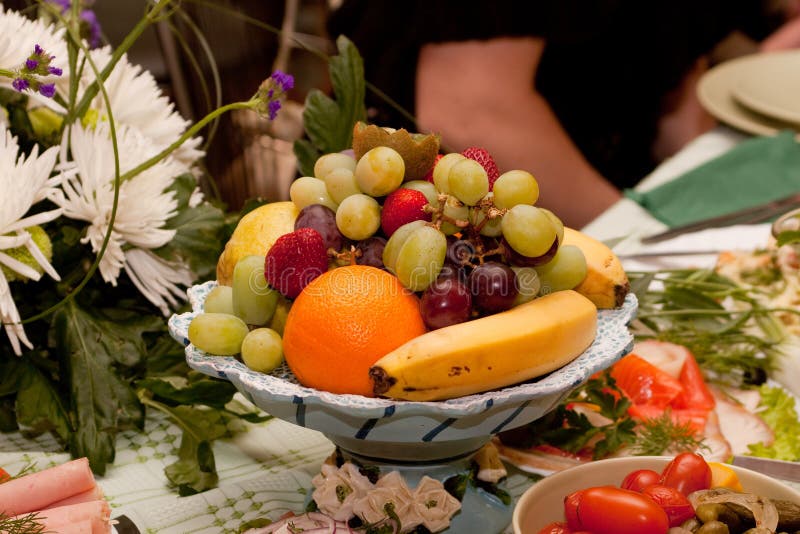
144 206
18 36
137 102
23 183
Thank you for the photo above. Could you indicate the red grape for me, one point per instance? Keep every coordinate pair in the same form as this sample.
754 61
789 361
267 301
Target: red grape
323 220
445 302
493 287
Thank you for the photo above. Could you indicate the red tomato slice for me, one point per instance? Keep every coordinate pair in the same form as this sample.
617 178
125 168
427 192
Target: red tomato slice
695 418
557 527
611 510
4 476
687 472
644 383
673 502
695 392
640 479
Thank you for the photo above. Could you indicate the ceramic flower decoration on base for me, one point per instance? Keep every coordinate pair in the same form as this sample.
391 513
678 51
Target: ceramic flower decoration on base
103 226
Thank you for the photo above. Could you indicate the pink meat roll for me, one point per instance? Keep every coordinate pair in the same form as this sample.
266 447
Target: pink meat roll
85 518
94 494
38 490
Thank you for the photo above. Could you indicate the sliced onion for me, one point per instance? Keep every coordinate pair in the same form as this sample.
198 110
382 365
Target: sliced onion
308 523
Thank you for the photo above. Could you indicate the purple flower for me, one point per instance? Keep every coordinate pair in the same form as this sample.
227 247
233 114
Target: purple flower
283 80
55 71
273 107
38 50
92 27
20 84
47 89
31 64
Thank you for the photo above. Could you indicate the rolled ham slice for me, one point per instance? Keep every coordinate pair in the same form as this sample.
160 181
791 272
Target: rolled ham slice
38 490
94 494
85 518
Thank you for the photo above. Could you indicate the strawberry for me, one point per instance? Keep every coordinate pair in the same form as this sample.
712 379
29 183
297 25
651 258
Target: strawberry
482 156
403 206
429 175
295 260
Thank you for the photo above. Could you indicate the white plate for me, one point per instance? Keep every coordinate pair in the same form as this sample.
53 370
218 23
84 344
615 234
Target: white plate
770 85
715 91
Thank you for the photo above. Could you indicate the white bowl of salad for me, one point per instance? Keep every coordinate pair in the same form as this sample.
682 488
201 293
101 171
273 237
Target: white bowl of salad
657 495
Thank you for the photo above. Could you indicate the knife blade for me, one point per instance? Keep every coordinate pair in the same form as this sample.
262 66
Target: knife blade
752 215
779 469
124 525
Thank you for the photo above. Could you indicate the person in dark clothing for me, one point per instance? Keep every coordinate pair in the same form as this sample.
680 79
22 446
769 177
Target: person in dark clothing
588 95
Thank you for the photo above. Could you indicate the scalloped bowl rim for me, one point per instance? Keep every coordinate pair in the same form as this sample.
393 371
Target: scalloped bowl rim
282 389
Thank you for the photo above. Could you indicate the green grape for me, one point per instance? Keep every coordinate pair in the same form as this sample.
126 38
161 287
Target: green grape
421 258
358 217
396 241
528 230
441 171
308 190
557 223
217 333
468 181
219 300
329 162
566 270
515 187
380 171
426 188
341 183
254 300
454 210
492 227
262 350
528 284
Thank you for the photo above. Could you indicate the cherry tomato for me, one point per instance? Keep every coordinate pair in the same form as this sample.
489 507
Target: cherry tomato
611 510
640 479
571 503
557 527
687 473
672 501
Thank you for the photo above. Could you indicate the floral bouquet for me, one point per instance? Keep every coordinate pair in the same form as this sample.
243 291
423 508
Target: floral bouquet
102 227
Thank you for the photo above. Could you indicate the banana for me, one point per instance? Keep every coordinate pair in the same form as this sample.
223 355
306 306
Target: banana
491 352
606 283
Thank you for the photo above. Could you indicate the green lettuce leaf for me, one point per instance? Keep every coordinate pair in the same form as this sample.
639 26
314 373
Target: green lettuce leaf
780 414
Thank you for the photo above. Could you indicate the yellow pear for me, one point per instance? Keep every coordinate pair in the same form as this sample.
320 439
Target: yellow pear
255 233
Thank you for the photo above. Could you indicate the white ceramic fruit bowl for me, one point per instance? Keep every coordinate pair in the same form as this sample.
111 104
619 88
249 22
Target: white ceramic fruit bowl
543 502
403 430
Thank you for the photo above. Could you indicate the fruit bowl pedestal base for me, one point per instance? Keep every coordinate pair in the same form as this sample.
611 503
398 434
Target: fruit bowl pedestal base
481 512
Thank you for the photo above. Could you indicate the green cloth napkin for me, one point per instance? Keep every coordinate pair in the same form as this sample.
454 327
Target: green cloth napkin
756 171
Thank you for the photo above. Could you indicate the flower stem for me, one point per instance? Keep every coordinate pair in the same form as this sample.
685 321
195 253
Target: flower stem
7 73
130 39
186 135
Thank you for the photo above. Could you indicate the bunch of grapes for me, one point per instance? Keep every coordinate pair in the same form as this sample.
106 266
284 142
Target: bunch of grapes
468 243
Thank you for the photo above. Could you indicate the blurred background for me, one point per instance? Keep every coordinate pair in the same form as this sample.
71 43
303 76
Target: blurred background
242 41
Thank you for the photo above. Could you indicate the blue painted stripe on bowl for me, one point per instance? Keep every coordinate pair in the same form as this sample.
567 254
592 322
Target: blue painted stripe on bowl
489 404
435 432
389 411
363 432
511 417
300 413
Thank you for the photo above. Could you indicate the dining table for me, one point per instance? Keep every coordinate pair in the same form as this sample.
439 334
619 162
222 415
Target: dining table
265 469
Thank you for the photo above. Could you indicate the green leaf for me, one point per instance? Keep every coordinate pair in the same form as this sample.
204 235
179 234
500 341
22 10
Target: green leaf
102 403
199 231
787 237
166 358
329 122
195 470
306 156
39 407
177 390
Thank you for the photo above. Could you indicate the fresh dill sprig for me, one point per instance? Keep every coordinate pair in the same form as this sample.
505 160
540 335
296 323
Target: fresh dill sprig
26 524
733 336
662 434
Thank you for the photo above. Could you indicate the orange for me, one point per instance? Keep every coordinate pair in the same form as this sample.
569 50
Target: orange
343 322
